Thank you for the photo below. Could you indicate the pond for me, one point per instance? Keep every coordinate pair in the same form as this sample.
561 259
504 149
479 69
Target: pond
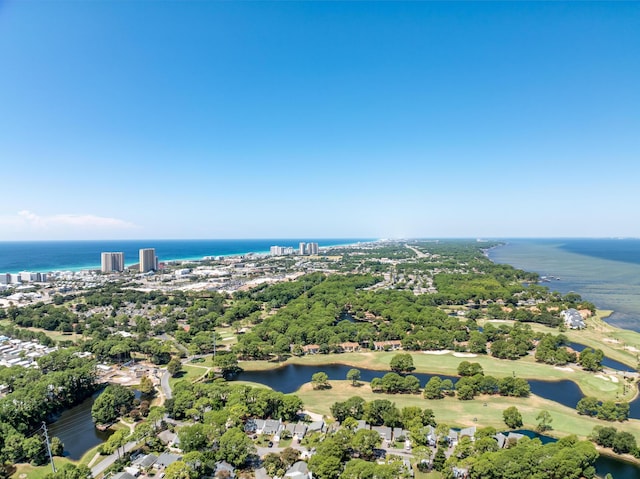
290 377
606 362
604 464
76 430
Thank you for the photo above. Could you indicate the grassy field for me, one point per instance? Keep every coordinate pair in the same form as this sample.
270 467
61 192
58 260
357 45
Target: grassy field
54 335
228 335
446 364
39 472
483 411
189 373
620 344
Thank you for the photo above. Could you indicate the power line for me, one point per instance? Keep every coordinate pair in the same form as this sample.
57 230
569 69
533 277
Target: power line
46 438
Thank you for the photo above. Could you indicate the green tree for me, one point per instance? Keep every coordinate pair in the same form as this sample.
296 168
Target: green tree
439 459
57 448
175 366
588 406
179 470
544 421
624 442
146 386
325 466
227 364
193 438
235 447
365 441
320 380
353 375
433 388
465 368
512 417
402 363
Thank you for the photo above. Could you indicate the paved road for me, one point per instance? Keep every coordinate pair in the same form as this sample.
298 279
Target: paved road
105 463
164 384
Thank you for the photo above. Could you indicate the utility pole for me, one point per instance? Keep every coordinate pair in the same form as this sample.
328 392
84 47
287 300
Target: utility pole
46 438
214 347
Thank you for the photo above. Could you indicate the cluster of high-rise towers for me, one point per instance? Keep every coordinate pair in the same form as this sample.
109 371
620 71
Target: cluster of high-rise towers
113 262
303 248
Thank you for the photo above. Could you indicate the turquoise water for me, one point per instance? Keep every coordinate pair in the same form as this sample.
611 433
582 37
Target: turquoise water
16 256
604 271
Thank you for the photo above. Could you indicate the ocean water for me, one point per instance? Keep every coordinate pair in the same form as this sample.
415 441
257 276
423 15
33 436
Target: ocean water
42 256
603 271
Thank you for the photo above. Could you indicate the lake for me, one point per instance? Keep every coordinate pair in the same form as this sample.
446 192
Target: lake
289 378
76 430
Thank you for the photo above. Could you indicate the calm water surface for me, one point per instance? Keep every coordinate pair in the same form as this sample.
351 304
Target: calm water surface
76 430
603 271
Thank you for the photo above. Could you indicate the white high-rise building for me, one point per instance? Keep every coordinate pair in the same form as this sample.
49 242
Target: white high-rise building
301 248
312 248
148 260
112 262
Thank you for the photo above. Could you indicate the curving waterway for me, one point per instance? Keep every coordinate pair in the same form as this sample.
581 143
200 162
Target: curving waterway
289 378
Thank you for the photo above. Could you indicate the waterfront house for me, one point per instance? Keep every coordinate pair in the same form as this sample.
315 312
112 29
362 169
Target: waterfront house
348 347
311 349
387 345
573 319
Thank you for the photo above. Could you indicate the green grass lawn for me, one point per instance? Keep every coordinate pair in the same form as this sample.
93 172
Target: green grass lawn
39 472
447 364
482 411
188 373
54 335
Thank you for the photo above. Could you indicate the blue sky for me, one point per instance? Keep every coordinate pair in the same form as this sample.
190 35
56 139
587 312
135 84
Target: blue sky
194 119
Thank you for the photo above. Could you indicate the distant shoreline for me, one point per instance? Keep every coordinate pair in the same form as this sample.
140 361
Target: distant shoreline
173 258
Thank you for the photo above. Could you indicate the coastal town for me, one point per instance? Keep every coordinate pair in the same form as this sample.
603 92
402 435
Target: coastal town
389 312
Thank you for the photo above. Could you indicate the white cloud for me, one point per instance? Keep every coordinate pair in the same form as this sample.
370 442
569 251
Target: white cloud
29 222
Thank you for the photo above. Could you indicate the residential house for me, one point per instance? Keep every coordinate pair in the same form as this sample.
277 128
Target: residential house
166 459
145 461
452 437
501 439
470 432
386 433
432 438
362 424
348 347
311 349
398 432
573 319
316 426
387 345
224 470
122 475
299 470
268 427
169 438
297 430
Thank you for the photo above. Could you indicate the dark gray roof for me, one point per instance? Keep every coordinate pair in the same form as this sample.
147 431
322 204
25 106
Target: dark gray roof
145 461
166 459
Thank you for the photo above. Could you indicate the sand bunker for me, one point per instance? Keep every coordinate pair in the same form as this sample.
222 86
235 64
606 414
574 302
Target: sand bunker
632 349
569 370
602 377
613 378
437 353
609 340
465 355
